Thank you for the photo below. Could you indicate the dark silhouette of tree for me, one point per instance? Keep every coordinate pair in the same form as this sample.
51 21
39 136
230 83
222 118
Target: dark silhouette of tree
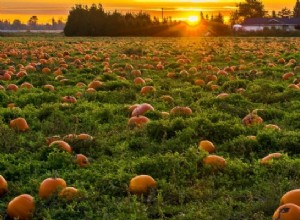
274 15
219 18
296 11
17 25
285 13
251 9
32 22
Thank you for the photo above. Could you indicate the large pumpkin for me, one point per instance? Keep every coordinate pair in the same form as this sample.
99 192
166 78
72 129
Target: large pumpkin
214 161
62 145
21 207
50 186
19 124
207 146
3 185
292 196
287 211
142 184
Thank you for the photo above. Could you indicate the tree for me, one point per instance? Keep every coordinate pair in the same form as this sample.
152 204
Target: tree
219 18
32 22
251 9
17 25
296 12
274 15
285 13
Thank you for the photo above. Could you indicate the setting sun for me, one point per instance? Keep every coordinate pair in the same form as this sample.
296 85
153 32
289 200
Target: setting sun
193 19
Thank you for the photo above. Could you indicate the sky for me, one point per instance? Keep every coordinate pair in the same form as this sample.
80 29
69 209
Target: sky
45 10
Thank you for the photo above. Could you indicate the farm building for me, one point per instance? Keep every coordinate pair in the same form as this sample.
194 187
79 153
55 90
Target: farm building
258 24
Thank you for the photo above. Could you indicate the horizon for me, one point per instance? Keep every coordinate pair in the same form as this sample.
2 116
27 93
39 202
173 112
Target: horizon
178 10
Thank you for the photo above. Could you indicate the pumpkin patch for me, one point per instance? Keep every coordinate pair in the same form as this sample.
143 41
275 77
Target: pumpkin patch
212 124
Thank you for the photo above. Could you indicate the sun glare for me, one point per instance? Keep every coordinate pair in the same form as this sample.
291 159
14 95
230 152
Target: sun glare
193 19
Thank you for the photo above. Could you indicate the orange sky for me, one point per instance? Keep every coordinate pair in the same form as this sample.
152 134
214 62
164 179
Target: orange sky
46 9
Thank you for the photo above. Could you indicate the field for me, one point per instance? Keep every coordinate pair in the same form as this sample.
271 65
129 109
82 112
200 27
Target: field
196 89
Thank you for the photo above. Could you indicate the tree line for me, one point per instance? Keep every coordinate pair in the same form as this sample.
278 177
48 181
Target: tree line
94 21
32 24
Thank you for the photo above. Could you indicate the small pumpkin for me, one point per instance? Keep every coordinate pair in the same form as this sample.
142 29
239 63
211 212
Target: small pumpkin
50 186
68 193
62 145
207 146
292 196
82 160
69 99
3 186
252 118
141 184
138 121
287 211
85 137
269 157
215 161
142 109
21 207
19 124
181 110
147 89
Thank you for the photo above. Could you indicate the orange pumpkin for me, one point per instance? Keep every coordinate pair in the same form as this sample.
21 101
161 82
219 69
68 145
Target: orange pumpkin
138 121
287 76
207 146
199 82
167 98
142 109
292 196
68 193
252 118
269 157
49 87
95 84
215 161
19 124
21 207
3 186
50 186
69 99
83 136
62 145
26 85
147 89
141 184
46 70
180 110
12 87
222 95
139 80
287 211
70 137
272 126
82 160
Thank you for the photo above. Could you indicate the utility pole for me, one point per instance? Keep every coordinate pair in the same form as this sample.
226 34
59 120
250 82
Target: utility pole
162 14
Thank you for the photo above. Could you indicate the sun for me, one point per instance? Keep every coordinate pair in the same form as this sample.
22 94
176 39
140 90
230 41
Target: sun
193 19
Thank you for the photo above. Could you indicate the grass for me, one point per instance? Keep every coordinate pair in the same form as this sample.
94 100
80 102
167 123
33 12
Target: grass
166 148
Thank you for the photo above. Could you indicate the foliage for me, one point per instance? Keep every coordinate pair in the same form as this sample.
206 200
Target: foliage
247 71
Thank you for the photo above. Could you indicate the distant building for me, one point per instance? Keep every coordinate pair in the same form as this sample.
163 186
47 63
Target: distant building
259 24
